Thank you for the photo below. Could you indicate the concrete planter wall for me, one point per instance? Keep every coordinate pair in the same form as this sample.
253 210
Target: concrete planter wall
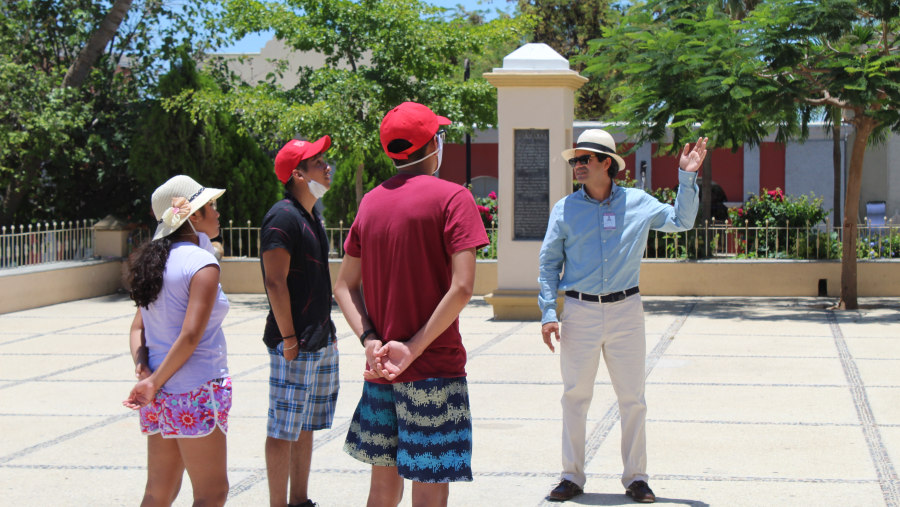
57 282
23 288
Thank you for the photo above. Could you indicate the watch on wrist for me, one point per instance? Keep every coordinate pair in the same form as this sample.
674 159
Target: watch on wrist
365 334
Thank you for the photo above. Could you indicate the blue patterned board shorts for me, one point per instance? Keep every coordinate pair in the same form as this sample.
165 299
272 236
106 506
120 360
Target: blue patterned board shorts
302 392
424 428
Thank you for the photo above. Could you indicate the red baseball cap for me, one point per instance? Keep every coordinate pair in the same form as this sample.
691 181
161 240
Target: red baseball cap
295 152
408 127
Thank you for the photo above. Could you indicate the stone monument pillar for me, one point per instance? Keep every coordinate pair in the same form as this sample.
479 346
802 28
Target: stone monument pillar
535 110
110 238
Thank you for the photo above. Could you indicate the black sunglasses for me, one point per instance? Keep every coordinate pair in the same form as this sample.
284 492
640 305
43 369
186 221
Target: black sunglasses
584 159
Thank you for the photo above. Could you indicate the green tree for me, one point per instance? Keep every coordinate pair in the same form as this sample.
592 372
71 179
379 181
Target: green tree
680 64
567 27
839 54
73 73
378 54
211 151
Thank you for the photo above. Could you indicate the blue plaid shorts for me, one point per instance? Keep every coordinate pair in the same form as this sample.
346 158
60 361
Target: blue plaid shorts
424 428
302 392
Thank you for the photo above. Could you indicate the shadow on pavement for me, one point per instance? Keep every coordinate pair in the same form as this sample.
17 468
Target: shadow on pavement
875 310
622 499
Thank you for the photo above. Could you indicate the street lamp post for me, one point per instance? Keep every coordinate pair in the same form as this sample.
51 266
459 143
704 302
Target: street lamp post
468 140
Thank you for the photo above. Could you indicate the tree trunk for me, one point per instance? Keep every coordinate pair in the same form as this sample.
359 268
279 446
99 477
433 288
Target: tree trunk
89 54
836 161
75 77
864 127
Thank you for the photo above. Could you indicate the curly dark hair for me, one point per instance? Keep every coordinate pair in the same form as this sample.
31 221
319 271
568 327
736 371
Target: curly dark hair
145 270
146 265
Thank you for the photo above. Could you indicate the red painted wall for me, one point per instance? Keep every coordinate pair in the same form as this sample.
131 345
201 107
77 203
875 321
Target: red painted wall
727 170
727 167
629 162
771 166
484 161
664 170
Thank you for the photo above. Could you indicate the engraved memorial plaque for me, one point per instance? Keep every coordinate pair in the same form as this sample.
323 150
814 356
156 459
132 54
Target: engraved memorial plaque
531 183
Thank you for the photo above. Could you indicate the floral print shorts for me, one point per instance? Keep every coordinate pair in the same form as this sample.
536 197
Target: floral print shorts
189 415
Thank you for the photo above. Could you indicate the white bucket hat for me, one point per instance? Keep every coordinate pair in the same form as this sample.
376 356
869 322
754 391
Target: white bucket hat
598 141
177 199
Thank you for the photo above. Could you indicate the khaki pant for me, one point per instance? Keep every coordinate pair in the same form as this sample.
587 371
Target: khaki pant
615 331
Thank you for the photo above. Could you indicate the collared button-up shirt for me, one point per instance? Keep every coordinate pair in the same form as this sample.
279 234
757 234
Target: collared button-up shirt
600 243
288 225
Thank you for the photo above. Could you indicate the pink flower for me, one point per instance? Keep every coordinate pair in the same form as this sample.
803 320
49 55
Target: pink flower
492 195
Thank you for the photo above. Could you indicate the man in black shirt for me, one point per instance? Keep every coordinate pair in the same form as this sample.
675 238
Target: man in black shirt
299 334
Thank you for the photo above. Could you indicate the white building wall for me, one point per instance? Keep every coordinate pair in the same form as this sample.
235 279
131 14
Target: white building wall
751 172
808 167
881 177
892 165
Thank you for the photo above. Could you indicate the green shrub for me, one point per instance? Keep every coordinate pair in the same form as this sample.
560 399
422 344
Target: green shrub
779 226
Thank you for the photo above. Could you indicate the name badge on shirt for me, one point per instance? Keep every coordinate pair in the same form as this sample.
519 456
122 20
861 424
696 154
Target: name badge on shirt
609 221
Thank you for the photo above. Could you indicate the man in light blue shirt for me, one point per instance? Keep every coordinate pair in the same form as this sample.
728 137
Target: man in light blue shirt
592 250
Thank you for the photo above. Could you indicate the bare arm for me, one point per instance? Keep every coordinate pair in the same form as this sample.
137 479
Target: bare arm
277 263
138 345
397 356
203 290
348 294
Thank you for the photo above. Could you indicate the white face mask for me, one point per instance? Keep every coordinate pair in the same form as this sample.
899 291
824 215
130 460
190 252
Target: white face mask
440 156
316 189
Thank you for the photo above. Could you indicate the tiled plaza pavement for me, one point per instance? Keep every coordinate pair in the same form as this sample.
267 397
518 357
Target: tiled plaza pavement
765 401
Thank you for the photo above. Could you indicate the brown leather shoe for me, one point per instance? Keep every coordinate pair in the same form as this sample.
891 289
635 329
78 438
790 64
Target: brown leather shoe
566 490
639 491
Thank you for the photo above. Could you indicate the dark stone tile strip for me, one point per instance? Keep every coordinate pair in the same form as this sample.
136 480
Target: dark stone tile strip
492 474
68 436
17 382
57 331
322 438
601 430
887 474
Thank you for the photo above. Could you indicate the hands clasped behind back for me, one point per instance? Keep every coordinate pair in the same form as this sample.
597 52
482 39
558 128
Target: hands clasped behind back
386 360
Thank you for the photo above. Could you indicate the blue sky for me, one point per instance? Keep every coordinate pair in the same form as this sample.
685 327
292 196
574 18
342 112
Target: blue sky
252 43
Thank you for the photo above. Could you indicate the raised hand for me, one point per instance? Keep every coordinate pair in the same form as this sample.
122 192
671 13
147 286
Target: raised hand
692 159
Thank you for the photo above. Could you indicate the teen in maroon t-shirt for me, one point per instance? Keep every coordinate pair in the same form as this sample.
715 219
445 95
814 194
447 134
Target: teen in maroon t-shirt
408 270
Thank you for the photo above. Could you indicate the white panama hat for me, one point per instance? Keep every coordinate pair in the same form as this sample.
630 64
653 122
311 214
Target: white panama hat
176 200
598 141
